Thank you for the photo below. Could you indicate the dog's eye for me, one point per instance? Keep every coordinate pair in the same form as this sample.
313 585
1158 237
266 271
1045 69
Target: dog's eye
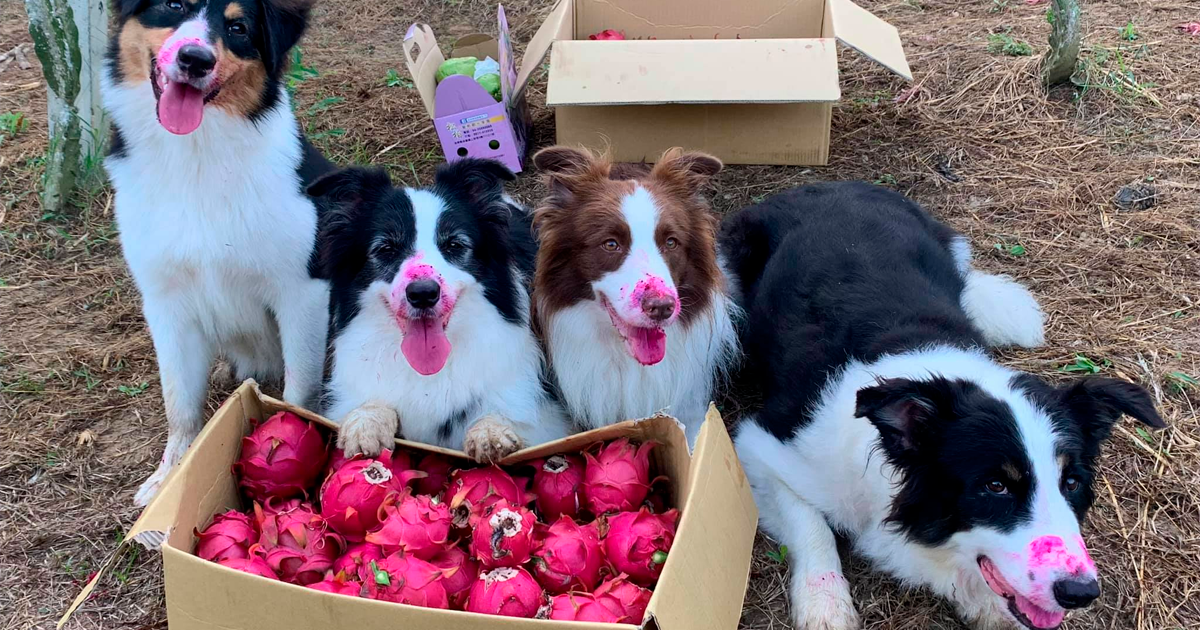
382 250
611 245
236 29
996 486
175 5
671 242
455 246
1071 484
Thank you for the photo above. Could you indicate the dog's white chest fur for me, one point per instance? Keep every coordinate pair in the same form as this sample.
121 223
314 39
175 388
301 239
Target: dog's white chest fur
215 221
601 384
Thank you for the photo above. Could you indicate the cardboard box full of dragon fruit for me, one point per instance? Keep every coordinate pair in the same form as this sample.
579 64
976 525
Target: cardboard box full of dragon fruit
265 525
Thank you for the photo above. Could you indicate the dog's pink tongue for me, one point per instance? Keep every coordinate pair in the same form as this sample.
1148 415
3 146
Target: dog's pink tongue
180 108
425 345
647 345
1039 617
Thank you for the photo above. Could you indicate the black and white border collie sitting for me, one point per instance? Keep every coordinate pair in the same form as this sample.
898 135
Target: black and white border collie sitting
884 419
209 168
431 331
631 300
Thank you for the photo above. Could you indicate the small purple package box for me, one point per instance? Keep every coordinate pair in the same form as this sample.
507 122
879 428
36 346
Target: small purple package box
468 120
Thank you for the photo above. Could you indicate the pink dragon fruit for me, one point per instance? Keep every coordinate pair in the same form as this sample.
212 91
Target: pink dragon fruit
466 570
338 585
437 471
272 505
472 490
618 478
568 556
404 579
228 537
579 607
254 564
418 525
352 495
507 591
607 35
356 562
298 545
637 543
337 459
281 457
557 484
503 535
624 598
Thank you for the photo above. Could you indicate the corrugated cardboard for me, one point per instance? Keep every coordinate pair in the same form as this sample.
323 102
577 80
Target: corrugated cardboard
468 120
749 82
701 588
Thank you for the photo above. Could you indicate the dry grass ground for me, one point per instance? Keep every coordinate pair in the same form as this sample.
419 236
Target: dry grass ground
1030 176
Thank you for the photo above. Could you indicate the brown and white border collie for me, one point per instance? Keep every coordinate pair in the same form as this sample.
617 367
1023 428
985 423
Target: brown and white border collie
209 168
630 297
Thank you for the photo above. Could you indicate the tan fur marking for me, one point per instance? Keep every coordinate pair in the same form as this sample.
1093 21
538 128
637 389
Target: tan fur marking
233 11
138 45
1012 471
242 82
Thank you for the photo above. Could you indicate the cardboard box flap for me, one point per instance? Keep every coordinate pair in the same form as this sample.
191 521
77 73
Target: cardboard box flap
423 57
635 72
712 549
154 525
859 29
559 25
478 45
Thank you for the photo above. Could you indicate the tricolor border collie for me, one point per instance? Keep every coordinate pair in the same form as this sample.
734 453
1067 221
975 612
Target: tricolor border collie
209 168
633 306
884 419
431 331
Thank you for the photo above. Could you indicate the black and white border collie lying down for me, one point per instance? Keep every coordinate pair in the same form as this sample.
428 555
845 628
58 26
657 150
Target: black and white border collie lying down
209 168
631 301
431 330
884 419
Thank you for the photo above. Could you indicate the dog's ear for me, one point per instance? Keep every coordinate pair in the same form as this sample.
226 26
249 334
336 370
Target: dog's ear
903 411
564 161
568 172
348 198
284 22
481 183
1096 403
688 171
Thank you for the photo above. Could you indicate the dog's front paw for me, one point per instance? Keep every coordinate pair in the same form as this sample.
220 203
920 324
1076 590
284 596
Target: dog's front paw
368 429
177 445
823 602
491 439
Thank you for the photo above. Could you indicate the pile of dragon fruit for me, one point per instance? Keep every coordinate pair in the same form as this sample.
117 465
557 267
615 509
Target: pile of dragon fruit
576 537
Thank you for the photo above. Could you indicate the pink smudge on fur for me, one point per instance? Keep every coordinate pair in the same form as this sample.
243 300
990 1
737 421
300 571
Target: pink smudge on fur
1049 552
166 54
652 286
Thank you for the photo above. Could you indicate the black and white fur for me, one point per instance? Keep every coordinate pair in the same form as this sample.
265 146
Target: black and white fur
884 419
215 226
471 247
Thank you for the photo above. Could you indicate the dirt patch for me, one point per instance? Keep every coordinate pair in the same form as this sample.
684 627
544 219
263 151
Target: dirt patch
1031 177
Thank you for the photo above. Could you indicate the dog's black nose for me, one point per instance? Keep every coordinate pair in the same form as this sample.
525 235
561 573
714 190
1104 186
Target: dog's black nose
423 293
195 61
1071 594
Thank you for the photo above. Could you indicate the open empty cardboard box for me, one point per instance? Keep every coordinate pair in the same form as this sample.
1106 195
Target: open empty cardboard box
701 588
750 82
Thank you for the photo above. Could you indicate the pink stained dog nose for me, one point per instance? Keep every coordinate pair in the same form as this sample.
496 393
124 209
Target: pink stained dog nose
658 308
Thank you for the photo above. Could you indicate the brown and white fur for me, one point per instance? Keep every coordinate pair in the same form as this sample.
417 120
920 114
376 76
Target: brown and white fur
209 168
629 295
